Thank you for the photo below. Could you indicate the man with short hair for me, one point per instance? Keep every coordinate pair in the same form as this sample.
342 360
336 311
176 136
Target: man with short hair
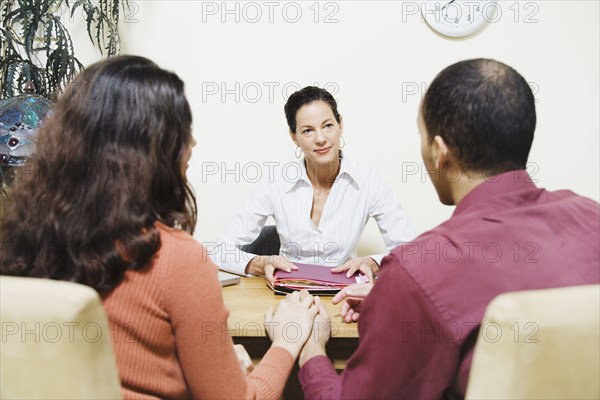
419 323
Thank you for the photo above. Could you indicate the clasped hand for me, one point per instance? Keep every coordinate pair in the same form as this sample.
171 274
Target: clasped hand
310 321
296 317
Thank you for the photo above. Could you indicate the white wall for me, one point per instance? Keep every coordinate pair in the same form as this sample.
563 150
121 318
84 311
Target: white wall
373 58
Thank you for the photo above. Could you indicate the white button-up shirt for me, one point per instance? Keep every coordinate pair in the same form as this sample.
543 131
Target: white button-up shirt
286 194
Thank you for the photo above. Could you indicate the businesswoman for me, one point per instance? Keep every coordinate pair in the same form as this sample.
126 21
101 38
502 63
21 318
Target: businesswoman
107 204
320 205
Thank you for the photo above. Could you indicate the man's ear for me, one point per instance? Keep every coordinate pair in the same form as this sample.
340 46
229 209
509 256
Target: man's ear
440 153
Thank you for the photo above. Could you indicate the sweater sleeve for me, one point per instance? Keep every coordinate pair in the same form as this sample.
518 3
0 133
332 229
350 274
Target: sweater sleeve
194 302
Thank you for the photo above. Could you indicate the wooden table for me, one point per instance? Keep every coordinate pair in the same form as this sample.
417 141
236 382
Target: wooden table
247 303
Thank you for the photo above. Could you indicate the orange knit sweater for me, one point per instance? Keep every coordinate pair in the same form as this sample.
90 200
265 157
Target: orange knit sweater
169 328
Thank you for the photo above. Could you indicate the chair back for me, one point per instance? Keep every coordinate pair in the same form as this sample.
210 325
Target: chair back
541 344
266 244
56 342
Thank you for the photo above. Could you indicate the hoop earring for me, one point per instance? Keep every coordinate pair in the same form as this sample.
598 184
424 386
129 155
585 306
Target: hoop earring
298 155
343 144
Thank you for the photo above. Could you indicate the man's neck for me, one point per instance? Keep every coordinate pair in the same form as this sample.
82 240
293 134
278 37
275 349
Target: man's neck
468 181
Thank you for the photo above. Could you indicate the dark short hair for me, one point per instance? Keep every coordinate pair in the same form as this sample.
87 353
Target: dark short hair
485 112
108 166
305 96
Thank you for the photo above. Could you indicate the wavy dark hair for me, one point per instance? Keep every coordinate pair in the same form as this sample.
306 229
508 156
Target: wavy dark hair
108 166
304 96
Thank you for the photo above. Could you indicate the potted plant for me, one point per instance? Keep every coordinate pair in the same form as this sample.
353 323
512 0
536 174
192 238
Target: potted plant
36 46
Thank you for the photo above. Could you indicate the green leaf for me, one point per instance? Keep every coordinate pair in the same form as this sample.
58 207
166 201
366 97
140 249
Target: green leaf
30 33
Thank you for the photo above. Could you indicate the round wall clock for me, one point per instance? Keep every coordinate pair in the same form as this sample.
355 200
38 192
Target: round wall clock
455 19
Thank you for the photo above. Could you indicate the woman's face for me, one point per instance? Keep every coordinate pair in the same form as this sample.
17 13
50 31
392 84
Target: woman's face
186 156
318 133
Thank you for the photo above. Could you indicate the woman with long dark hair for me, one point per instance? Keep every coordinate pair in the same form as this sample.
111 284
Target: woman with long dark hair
105 202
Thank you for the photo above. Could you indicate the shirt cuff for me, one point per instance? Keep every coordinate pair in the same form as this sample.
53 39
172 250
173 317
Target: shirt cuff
378 258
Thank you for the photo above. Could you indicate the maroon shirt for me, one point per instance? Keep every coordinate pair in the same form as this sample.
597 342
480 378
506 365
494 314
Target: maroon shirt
419 325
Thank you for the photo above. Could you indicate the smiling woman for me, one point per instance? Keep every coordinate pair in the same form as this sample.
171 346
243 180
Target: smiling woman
320 212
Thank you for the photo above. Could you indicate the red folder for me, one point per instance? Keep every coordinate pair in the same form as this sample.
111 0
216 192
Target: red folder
314 278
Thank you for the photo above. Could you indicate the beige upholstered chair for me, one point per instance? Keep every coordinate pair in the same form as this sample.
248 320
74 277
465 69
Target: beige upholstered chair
56 343
541 344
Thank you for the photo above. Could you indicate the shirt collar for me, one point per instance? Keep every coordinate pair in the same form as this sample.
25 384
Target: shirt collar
346 169
501 184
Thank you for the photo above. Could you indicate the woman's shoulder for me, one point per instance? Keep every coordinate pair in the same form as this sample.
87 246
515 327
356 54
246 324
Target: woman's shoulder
283 172
363 174
179 244
172 233
187 276
180 252
274 178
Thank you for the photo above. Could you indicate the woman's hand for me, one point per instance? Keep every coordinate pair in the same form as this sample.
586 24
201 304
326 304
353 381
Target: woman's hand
366 265
290 325
244 359
315 346
266 266
352 297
